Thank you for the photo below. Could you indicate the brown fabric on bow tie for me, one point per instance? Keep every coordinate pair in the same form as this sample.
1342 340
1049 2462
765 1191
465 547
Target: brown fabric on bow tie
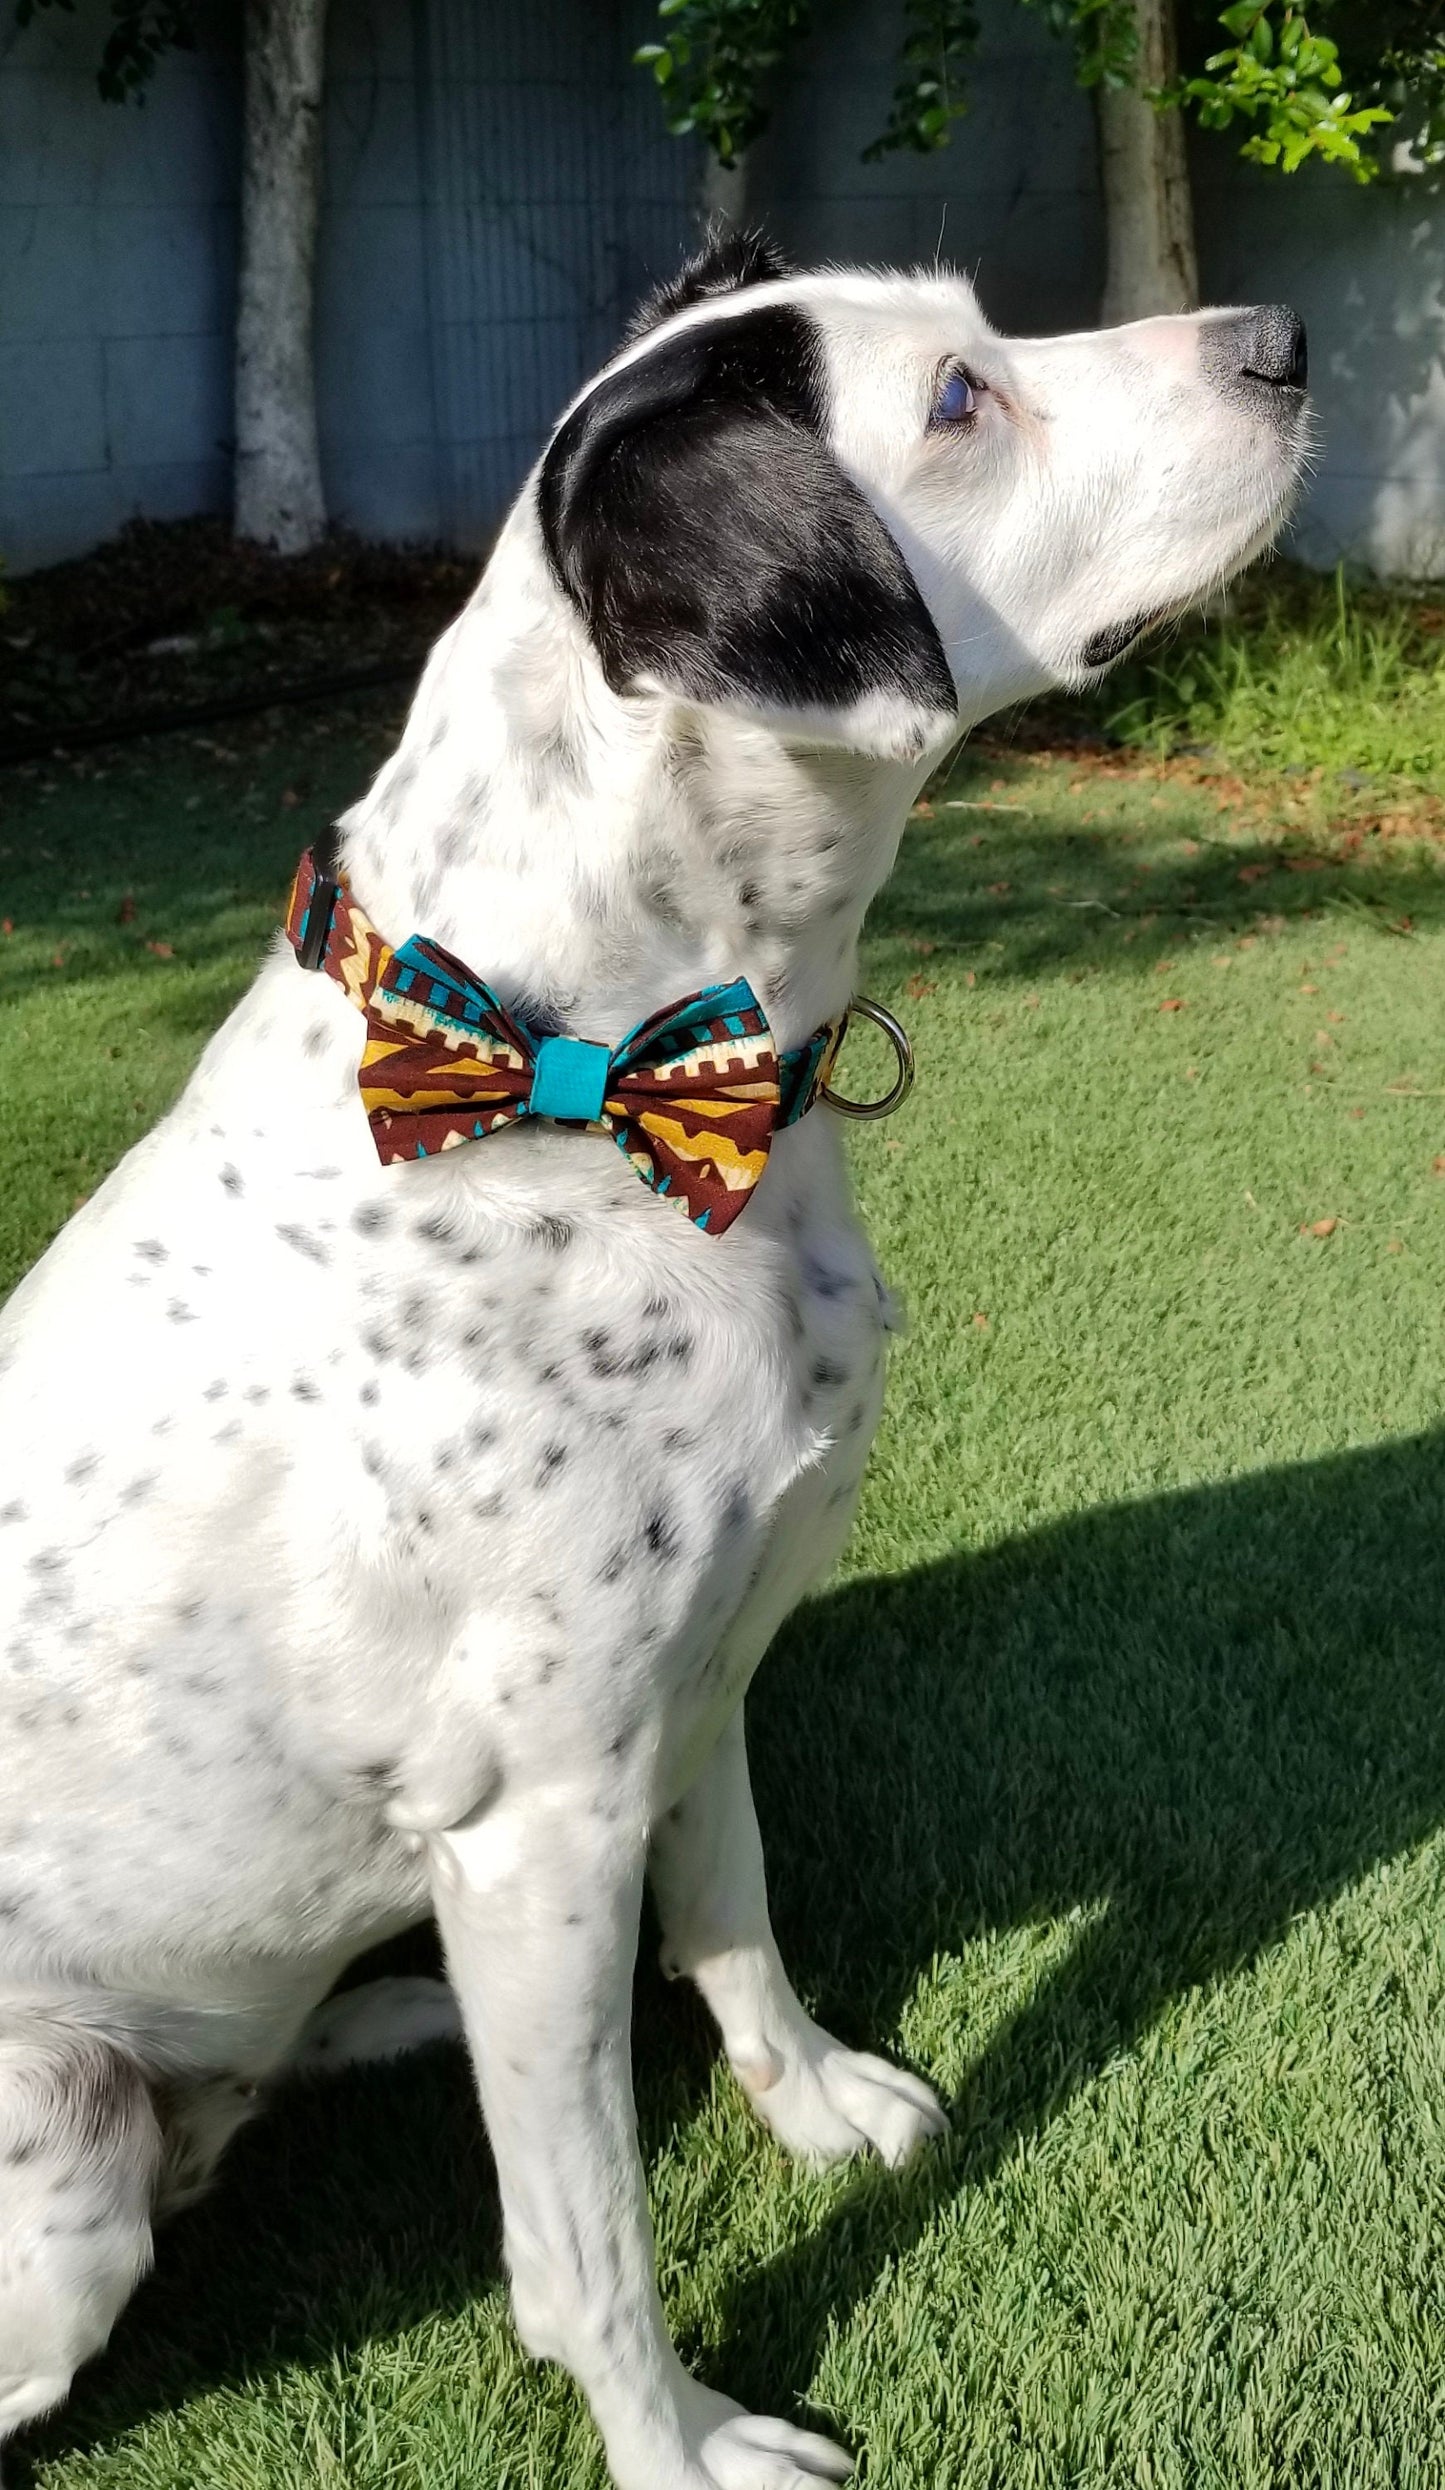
692 1096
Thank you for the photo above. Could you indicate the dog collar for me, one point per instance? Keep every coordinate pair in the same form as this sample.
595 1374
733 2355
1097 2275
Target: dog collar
692 1096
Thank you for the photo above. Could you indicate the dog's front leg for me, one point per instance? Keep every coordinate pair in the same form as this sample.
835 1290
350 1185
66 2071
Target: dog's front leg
538 1905
821 2100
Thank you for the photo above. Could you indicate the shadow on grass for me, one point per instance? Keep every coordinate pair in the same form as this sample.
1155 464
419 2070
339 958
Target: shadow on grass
1209 1712
1055 899
1042 894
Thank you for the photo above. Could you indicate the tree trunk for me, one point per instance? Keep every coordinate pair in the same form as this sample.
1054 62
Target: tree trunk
278 467
723 192
1148 211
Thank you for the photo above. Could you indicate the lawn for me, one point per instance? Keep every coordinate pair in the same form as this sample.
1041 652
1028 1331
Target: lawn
1105 1784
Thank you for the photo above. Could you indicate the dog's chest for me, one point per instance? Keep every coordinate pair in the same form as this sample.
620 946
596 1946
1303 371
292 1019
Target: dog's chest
576 1476
375 1498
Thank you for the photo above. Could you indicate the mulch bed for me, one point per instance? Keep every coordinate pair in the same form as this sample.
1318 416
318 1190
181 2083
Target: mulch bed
170 615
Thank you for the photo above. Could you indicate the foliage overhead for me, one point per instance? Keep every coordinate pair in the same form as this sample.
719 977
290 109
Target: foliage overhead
1318 80
710 61
141 32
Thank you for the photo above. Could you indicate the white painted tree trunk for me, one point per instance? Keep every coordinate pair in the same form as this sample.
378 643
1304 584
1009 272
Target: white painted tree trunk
1148 210
723 192
278 468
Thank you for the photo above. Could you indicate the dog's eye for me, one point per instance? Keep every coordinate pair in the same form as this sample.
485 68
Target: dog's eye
956 400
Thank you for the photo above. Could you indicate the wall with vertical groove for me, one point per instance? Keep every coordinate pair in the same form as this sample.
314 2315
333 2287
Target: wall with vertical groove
500 189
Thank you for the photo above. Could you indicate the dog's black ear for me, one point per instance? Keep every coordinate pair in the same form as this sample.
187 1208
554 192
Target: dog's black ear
696 517
726 261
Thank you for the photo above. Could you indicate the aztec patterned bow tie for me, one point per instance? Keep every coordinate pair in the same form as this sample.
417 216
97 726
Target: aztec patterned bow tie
692 1096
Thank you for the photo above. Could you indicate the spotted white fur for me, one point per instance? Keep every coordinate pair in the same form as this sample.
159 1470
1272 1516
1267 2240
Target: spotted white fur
380 1541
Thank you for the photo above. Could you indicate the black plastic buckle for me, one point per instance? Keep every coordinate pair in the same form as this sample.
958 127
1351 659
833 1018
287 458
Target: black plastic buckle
320 909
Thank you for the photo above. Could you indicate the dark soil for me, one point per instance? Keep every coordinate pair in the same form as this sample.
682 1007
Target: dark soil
176 613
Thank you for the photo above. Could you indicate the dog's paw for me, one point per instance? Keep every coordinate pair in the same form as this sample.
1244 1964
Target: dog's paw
383 2019
748 2451
725 2448
823 2101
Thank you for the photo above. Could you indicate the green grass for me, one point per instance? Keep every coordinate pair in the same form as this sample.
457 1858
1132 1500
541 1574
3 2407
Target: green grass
1106 1783
1295 672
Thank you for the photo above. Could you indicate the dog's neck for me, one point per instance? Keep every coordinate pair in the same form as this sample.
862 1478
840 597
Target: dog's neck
595 857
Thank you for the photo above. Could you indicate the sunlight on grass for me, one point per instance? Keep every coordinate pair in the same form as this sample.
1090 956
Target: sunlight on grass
1296 673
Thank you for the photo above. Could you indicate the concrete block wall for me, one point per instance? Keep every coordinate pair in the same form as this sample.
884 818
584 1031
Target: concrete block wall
117 261
499 185
1013 199
500 189
1366 267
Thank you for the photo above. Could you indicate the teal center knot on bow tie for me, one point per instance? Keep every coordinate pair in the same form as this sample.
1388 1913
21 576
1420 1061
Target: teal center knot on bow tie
570 1079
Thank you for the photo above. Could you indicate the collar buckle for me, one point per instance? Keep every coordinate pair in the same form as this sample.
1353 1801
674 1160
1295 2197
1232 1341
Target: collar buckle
316 930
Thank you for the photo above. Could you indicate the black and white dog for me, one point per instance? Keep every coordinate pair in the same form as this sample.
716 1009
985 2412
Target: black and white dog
380 1540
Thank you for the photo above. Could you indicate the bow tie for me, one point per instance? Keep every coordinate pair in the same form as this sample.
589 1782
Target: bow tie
692 1097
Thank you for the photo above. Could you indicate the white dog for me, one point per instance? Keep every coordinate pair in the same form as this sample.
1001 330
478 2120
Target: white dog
390 1529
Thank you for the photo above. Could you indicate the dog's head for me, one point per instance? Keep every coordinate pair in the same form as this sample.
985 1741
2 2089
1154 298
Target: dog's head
843 504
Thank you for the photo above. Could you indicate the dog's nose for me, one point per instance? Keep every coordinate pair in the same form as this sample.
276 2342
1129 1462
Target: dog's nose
1264 344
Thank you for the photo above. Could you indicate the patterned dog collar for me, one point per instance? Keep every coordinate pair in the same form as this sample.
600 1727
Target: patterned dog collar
692 1097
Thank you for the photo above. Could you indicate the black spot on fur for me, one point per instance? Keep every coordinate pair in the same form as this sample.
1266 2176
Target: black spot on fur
303 1389
214 1391
232 1180
316 1040
151 1249
371 1218
179 1312
826 1374
602 1358
302 1241
660 1534
84 1466
737 1510
553 1232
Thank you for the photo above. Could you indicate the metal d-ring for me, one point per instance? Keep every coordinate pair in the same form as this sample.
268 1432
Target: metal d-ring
866 1109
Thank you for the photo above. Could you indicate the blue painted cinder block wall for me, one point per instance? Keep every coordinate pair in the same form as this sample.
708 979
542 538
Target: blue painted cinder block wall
500 189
